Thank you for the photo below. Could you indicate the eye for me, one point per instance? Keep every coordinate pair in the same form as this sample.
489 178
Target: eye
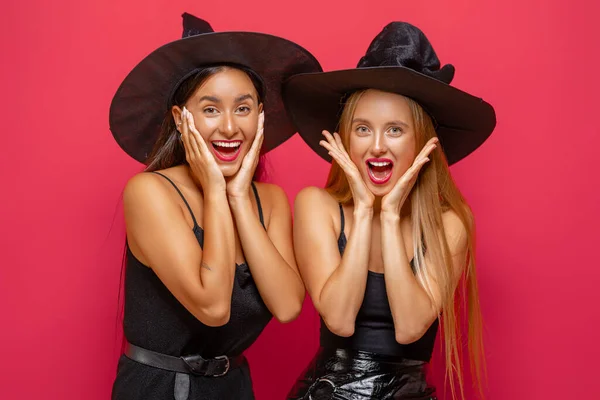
243 109
210 110
362 130
395 131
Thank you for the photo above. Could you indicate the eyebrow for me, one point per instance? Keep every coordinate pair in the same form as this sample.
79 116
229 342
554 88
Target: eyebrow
404 124
210 98
364 121
244 97
238 99
360 120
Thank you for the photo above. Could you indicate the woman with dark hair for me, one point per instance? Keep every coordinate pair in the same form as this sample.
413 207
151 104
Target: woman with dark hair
209 251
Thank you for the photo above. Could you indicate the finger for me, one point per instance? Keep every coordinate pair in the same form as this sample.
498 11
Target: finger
251 158
260 135
337 157
196 140
342 155
261 122
425 152
338 140
352 175
416 168
192 143
342 161
259 143
185 135
430 146
330 139
326 145
333 146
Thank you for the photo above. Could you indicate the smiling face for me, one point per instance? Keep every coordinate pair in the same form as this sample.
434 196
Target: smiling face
381 137
225 107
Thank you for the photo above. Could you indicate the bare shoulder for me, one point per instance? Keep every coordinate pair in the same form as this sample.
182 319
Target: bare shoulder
456 231
273 201
146 190
142 185
312 196
270 192
317 205
272 197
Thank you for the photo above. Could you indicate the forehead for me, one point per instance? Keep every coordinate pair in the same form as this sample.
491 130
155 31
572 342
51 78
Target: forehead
229 82
378 106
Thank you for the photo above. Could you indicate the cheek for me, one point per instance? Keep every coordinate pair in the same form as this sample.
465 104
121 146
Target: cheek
357 149
206 126
248 128
404 159
403 152
356 158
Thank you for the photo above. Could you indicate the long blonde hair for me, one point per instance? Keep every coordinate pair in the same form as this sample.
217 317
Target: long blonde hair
434 193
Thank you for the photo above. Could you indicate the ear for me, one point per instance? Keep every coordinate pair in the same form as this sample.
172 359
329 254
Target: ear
176 112
260 108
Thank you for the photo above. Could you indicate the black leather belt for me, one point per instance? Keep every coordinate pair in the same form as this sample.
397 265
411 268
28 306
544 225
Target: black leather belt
193 364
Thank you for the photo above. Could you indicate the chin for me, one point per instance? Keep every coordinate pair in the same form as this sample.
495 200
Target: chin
229 171
380 190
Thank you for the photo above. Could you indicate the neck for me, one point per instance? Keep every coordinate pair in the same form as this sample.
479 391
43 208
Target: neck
196 181
404 212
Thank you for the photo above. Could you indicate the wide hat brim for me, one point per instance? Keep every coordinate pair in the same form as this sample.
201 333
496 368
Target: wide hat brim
142 100
313 101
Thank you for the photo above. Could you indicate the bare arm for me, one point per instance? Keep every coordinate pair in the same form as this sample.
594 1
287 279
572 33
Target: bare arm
335 284
412 308
156 228
270 253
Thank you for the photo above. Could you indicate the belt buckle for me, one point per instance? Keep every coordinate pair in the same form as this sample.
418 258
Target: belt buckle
226 366
315 383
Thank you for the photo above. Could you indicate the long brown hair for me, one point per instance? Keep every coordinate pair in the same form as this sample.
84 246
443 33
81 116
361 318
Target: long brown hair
434 193
168 151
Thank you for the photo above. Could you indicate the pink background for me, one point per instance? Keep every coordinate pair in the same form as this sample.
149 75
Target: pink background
533 186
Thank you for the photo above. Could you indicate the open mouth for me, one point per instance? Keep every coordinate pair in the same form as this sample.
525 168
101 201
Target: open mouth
227 150
380 170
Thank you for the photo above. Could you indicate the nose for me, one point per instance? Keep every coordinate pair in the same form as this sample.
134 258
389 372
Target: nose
228 125
378 146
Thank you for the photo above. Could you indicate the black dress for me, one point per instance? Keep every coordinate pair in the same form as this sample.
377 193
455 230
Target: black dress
155 320
370 364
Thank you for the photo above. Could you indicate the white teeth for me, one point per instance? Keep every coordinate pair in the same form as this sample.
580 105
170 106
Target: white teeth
227 144
379 163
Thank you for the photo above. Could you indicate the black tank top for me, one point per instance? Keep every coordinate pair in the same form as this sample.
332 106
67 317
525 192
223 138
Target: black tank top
374 327
155 320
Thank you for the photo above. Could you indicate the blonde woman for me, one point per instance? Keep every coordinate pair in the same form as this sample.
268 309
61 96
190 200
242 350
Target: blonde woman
384 248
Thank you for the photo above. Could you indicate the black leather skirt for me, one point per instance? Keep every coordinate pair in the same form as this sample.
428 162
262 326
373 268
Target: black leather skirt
341 374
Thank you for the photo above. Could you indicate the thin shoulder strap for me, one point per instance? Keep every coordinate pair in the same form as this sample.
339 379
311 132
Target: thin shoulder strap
341 242
260 212
180 194
342 219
